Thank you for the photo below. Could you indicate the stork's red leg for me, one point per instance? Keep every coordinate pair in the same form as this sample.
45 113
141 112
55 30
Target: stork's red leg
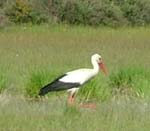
71 99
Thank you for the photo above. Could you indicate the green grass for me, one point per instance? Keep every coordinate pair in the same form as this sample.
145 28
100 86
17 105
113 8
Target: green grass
53 114
37 80
33 56
3 82
133 81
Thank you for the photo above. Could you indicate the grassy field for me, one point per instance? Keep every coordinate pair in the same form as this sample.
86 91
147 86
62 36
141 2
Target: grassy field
35 55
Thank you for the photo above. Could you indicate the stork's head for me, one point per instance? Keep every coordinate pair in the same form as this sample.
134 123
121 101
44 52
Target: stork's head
98 59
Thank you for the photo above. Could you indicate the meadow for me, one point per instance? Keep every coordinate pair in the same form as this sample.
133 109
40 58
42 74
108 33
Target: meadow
31 56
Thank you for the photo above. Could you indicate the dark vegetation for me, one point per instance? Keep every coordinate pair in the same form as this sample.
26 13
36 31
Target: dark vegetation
84 12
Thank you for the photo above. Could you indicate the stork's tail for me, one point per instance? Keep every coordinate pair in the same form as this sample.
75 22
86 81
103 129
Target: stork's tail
45 90
50 87
54 86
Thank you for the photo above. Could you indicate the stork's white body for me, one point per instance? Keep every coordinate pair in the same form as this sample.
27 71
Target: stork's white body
78 76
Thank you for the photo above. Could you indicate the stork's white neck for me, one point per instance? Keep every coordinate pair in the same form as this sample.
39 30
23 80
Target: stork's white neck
95 66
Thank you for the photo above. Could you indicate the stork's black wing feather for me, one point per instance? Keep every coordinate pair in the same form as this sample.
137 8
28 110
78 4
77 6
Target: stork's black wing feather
57 85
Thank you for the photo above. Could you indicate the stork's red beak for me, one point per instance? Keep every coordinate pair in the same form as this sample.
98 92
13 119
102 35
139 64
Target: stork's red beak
103 67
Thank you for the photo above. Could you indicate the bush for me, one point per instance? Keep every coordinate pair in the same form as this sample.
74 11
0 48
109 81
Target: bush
19 11
97 89
104 12
137 12
131 81
24 11
73 12
91 12
36 81
39 11
86 12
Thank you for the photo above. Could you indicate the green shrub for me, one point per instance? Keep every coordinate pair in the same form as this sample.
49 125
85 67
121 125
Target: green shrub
104 12
86 12
91 12
72 12
35 82
137 12
19 11
39 13
130 81
96 89
24 11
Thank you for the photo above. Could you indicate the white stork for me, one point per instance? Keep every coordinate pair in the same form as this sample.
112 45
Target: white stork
71 81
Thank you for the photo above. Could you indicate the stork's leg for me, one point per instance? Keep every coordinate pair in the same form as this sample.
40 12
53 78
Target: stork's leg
71 98
71 101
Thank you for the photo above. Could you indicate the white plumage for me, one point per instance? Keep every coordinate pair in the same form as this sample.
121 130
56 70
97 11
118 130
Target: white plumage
78 76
